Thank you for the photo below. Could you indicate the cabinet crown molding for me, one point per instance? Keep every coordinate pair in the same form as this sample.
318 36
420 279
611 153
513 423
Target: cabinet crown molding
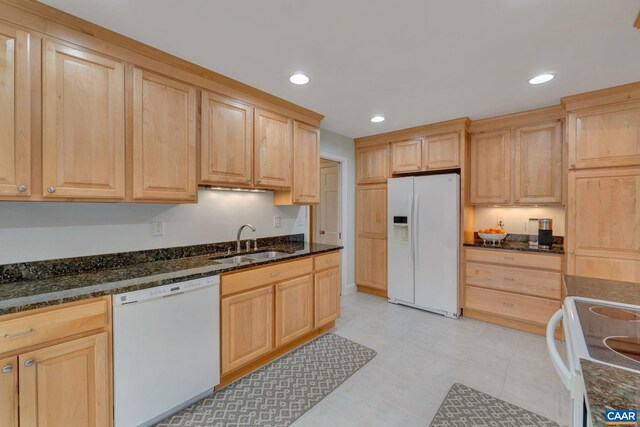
448 126
611 95
538 115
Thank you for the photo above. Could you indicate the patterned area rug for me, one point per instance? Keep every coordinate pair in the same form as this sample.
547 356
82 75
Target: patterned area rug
464 407
280 392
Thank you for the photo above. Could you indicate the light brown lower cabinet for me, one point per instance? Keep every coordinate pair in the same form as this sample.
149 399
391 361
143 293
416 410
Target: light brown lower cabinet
247 327
294 309
514 289
327 296
66 384
52 380
9 391
270 309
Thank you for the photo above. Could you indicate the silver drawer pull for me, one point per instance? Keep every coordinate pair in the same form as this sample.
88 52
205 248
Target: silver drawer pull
509 279
18 334
508 258
6 369
275 274
507 304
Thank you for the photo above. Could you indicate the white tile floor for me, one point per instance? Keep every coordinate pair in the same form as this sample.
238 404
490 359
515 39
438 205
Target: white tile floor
420 355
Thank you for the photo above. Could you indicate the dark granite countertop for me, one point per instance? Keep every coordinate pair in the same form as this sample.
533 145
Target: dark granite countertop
602 289
51 289
609 388
516 246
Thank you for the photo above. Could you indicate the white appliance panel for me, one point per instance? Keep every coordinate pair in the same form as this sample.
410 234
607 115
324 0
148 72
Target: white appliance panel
166 349
436 231
400 242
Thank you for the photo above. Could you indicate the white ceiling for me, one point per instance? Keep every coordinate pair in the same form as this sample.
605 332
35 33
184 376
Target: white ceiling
413 61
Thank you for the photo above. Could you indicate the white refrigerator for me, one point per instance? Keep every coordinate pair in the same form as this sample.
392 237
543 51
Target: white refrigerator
423 242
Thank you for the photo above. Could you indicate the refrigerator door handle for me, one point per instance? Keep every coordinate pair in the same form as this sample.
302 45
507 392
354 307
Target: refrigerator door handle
414 234
410 234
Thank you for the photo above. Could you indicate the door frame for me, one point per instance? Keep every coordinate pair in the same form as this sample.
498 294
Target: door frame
344 165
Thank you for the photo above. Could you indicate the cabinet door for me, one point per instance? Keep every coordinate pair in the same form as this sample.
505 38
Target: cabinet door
406 156
247 327
306 164
294 309
371 263
605 136
603 235
9 392
164 138
490 168
272 150
372 164
442 151
83 138
371 211
538 164
226 150
66 384
326 296
15 125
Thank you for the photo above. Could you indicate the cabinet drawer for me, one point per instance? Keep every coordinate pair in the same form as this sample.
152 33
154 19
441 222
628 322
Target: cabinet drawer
51 325
515 258
260 276
520 307
327 261
539 283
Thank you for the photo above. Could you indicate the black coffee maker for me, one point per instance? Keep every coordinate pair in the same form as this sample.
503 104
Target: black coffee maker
545 233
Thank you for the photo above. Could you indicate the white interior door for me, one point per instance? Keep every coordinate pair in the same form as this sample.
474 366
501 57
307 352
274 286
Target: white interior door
329 229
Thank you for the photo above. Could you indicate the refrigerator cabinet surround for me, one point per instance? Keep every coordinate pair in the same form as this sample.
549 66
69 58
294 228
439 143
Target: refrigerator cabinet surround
166 349
423 243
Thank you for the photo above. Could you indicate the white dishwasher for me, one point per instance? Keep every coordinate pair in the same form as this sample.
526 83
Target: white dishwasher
166 349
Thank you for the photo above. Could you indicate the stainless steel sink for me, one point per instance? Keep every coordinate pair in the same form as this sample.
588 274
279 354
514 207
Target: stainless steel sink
234 260
267 255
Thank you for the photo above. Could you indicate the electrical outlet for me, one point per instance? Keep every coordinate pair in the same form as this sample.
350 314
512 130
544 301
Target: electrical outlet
276 221
301 219
157 228
500 221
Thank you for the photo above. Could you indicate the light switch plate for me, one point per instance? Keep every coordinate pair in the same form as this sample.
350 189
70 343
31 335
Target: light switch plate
301 219
276 221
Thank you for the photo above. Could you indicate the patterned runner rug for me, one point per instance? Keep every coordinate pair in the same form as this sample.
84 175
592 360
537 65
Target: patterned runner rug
281 391
466 407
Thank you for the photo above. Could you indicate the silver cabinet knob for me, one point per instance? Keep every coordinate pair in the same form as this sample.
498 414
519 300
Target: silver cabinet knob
571 252
28 363
22 188
280 288
269 291
259 181
248 180
6 369
51 189
573 165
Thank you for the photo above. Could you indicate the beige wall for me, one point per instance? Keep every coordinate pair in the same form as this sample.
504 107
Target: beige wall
515 219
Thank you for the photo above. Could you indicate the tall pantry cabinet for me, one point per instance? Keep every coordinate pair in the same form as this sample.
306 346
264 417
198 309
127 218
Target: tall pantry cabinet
603 230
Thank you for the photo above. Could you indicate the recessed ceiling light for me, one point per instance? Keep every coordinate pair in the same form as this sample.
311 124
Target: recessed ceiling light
377 119
299 79
542 78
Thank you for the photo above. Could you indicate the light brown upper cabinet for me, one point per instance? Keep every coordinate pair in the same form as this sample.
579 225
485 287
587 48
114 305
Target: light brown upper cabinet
83 138
226 150
164 138
490 167
538 164
371 211
441 151
604 136
306 168
15 125
372 164
603 231
272 150
406 156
